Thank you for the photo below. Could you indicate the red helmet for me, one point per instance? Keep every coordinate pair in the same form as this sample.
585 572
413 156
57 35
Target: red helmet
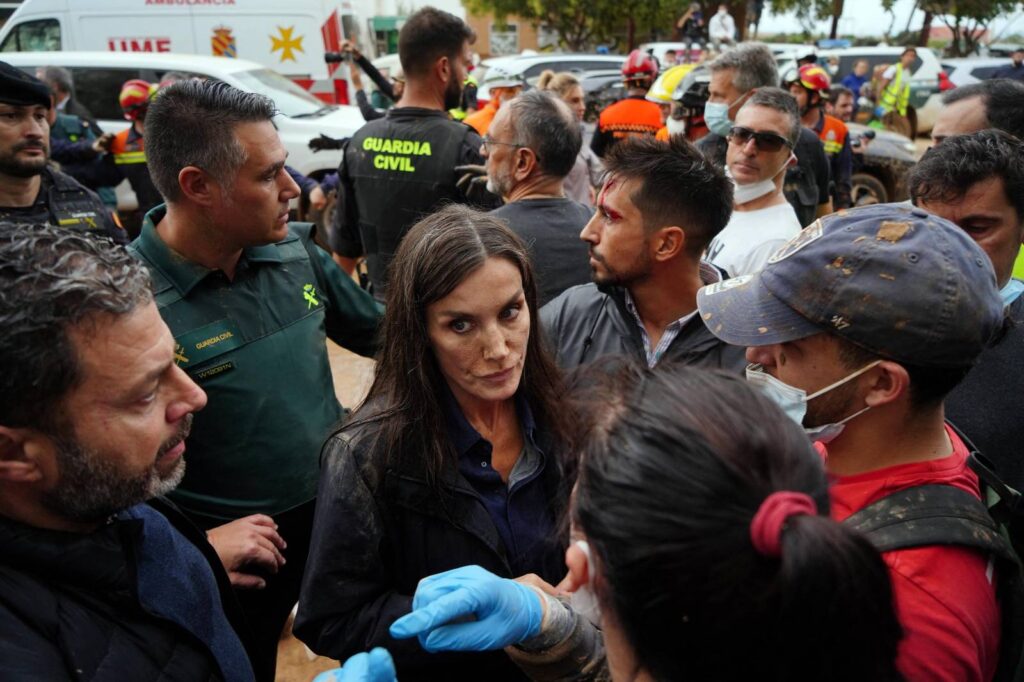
815 79
639 65
134 98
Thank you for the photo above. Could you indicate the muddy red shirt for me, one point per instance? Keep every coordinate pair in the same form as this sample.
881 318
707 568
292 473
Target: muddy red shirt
945 597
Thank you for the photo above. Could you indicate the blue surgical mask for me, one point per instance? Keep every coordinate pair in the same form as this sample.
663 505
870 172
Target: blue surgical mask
716 118
793 400
1012 291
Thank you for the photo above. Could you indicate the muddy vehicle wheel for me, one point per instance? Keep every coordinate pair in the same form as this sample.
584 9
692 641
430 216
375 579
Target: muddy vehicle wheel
868 190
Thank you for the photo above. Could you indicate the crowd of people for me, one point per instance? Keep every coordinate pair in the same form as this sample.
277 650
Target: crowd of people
642 408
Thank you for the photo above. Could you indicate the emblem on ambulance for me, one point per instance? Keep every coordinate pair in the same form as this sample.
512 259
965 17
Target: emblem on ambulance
286 43
222 43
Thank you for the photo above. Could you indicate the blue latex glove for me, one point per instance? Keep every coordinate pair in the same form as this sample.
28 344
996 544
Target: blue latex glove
375 666
493 612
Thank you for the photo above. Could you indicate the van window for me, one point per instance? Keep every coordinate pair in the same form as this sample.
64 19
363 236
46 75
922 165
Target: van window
33 36
98 88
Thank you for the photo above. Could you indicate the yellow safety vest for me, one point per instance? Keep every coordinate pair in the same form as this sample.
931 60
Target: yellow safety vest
896 95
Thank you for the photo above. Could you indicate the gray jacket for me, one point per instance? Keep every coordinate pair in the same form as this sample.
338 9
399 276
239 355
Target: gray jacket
587 322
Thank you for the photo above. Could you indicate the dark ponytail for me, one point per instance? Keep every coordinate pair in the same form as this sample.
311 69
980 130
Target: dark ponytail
676 463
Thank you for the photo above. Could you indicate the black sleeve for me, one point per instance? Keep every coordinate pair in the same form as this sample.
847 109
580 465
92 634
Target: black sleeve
348 601
346 240
66 151
382 83
822 170
365 108
469 155
469 100
28 652
843 175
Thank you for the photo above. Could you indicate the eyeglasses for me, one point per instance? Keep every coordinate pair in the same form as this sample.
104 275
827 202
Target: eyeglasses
765 142
489 141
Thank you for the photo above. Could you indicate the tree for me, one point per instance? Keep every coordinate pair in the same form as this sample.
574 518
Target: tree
810 11
968 20
581 23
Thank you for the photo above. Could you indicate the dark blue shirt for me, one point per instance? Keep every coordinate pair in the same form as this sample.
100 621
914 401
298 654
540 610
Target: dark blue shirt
855 83
520 509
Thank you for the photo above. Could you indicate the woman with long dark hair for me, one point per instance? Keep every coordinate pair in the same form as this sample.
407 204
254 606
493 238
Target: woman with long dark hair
702 549
455 457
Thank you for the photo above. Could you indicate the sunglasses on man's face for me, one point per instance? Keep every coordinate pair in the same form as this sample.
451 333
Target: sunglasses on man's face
765 142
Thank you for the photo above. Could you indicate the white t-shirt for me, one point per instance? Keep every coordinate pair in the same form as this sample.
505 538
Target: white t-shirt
722 26
751 237
889 73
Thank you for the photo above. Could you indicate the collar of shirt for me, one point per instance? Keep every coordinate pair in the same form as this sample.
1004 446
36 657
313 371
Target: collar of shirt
465 438
179 271
709 274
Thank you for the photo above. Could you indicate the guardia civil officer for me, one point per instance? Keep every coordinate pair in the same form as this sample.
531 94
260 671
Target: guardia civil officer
30 191
399 168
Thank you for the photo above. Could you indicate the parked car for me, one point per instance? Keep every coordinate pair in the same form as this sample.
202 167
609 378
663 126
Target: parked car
926 83
880 173
972 69
98 77
529 67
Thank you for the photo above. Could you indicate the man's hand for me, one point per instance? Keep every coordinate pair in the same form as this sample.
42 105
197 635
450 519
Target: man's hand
317 198
249 542
375 666
102 143
323 142
350 46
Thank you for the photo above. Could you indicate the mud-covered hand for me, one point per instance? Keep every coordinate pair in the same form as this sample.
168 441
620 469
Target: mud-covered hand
470 609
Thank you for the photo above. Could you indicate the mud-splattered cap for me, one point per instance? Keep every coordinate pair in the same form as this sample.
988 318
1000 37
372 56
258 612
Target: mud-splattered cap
892 279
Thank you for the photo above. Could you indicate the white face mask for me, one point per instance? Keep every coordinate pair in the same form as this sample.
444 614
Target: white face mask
675 126
793 401
583 601
755 190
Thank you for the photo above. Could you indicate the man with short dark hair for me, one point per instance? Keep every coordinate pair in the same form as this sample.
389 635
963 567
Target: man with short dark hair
858 328
734 75
99 578
977 106
399 168
661 204
977 182
760 150
31 191
250 300
59 80
840 103
530 148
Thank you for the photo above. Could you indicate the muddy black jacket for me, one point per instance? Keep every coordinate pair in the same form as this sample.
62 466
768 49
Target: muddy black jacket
377 534
585 323
69 610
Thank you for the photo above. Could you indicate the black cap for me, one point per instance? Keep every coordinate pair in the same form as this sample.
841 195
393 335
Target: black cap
17 87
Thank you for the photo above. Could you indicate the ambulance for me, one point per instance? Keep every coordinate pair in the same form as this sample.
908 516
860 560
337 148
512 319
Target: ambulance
288 36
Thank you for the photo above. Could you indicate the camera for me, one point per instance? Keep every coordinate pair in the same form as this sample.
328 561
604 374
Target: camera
337 57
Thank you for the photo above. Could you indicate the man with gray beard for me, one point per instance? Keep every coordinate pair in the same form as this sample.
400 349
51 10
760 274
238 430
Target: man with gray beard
99 578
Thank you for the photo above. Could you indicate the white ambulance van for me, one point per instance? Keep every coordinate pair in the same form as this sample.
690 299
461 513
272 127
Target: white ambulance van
288 36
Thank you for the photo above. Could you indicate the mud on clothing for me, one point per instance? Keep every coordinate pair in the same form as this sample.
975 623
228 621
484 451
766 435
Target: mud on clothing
396 170
944 594
63 202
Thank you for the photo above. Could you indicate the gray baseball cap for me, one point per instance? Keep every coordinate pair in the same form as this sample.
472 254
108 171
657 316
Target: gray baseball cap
892 279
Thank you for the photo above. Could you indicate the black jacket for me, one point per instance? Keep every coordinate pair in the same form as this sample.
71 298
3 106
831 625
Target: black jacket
586 322
377 535
69 611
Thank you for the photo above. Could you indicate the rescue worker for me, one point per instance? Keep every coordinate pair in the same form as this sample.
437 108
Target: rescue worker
840 103
811 90
78 150
661 93
502 87
634 115
128 152
733 76
894 94
30 191
398 168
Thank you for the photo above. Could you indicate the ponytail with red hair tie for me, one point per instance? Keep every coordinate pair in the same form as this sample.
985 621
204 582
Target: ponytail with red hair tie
768 523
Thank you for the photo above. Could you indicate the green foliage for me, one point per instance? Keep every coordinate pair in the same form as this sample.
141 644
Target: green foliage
968 19
580 24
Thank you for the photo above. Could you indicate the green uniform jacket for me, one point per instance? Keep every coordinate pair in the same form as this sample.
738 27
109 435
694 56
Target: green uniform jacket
257 346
